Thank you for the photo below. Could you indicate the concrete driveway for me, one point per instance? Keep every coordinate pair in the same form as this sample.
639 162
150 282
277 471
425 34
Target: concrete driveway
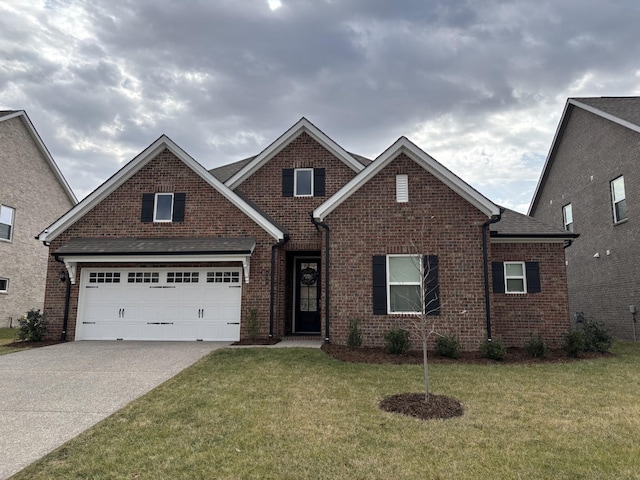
49 395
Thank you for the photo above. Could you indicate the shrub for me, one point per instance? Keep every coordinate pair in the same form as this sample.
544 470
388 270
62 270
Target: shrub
536 347
253 327
397 341
33 326
493 349
596 336
448 346
355 334
573 343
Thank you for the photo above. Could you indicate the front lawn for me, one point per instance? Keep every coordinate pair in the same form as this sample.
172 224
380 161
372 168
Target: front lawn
7 335
296 414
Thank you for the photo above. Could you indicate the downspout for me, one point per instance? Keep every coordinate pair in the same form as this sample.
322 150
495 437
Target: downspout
67 296
326 274
279 243
485 267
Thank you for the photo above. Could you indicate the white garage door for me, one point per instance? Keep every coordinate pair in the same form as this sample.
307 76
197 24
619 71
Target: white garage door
160 304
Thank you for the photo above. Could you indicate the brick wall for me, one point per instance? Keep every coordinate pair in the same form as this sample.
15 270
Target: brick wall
591 152
516 317
207 214
438 221
30 187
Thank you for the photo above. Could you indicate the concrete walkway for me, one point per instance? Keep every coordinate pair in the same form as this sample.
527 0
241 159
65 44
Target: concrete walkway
49 395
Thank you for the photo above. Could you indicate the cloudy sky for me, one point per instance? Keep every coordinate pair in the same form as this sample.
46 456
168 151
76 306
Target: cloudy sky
479 85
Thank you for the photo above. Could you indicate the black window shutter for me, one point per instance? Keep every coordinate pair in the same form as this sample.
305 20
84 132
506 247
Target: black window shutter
178 206
431 286
147 207
318 182
379 285
497 273
287 182
533 277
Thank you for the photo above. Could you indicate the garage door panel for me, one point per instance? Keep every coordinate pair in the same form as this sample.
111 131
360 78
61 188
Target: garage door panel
160 304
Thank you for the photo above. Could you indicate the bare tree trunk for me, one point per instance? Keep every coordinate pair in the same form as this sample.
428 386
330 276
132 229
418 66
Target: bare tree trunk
426 368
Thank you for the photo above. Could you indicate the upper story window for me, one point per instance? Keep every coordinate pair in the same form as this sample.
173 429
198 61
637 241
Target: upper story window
303 182
402 188
163 207
619 200
6 222
515 279
4 285
567 217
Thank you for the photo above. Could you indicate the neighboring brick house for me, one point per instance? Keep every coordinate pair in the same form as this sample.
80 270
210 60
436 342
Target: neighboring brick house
33 193
166 250
590 185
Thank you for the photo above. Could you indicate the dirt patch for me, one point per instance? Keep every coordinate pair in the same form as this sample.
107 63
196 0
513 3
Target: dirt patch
414 405
257 341
378 355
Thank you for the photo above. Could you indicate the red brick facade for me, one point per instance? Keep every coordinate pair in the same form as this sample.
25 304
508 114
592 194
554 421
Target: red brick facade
435 221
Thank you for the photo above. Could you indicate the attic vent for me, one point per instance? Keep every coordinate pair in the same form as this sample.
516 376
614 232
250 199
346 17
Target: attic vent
402 188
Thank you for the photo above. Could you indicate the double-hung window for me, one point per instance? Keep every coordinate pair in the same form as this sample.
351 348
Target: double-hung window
163 207
619 200
567 217
404 284
6 222
515 278
303 182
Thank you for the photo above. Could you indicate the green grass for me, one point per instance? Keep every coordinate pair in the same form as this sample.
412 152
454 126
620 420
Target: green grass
297 414
7 335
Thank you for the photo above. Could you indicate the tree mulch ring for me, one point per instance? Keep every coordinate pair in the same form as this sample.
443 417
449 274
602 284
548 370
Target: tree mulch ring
379 355
25 344
257 341
414 405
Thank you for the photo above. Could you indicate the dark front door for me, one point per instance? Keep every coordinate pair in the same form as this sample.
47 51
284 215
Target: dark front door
307 295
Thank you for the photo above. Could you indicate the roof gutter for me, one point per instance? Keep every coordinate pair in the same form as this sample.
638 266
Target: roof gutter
485 268
319 225
278 244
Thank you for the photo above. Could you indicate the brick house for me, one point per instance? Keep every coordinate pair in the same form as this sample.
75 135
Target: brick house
589 185
33 193
166 250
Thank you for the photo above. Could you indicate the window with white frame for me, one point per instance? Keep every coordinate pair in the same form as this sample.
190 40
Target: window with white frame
515 278
402 188
6 222
619 200
567 217
4 285
403 283
303 182
163 209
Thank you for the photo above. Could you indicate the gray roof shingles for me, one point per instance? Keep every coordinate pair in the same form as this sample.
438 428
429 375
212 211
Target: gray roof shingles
514 224
157 246
625 108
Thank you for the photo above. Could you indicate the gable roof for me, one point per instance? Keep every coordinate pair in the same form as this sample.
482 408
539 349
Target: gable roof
8 115
303 125
624 111
515 226
404 145
135 165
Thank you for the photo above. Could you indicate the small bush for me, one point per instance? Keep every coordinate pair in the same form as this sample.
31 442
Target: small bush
448 346
494 349
536 347
397 341
573 343
596 336
33 326
253 326
355 334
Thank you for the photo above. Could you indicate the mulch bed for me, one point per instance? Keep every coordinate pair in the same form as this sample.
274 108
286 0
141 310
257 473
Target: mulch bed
378 355
24 344
257 341
439 406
